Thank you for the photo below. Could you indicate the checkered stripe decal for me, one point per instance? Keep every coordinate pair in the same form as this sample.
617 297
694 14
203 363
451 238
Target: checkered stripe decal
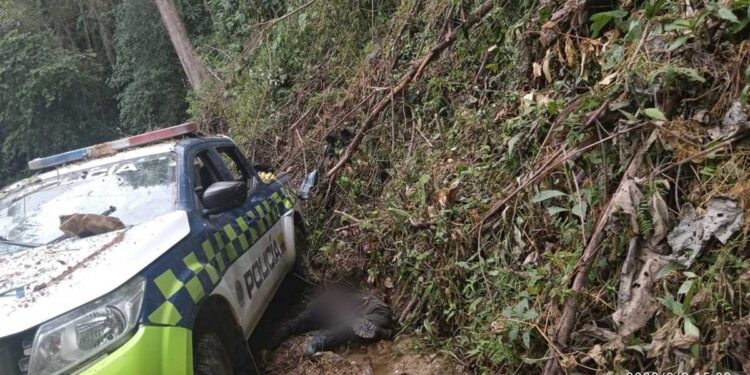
183 281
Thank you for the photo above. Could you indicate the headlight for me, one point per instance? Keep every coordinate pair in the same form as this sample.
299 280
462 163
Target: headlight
99 326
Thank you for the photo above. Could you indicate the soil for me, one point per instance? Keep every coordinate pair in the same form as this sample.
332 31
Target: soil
382 358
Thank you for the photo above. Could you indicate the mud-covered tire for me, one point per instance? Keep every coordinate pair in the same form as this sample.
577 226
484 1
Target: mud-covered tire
300 246
210 356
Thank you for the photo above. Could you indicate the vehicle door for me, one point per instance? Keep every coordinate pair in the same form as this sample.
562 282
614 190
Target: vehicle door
246 245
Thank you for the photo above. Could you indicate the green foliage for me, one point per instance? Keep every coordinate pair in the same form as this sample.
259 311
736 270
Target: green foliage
151 89
599 20
51 99
298 56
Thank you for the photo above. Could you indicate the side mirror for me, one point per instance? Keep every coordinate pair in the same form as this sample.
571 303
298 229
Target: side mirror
224 196
307 185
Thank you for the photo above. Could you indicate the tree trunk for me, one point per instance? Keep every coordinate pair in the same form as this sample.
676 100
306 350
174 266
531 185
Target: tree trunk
195 70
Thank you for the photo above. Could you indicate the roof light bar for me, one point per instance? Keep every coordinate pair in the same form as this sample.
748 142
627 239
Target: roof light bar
113 147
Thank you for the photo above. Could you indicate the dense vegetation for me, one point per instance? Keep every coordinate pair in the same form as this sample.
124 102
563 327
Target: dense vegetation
73 73
478 201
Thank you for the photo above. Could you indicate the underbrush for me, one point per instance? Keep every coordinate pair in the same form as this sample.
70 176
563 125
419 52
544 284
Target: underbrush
477 204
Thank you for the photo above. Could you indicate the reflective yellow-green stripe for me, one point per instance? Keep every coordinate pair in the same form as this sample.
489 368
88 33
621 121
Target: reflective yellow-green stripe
152 350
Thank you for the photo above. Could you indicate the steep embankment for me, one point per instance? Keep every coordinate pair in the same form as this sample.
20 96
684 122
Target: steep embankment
524 192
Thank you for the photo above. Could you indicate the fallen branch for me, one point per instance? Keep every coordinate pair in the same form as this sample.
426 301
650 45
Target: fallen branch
414 73
567 321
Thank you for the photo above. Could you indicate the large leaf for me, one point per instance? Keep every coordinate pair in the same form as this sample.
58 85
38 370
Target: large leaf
546 194
727 15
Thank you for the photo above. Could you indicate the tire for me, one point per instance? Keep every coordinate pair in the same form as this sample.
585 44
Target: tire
210 356
300 247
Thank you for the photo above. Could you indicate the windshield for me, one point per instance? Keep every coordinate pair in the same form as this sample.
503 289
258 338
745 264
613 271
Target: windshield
138 190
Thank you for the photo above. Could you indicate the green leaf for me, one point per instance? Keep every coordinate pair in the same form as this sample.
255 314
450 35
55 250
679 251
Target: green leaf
679 42
530 315
727 15
654 114
680 24
599 20
546 194
685 287
579 210
691 74
526 338
474 304
691 329
554 210
674 306
513 333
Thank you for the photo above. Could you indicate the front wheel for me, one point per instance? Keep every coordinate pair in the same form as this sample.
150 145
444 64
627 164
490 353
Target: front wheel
211 358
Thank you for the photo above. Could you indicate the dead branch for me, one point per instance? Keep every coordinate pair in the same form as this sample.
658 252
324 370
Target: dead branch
567 321
414 73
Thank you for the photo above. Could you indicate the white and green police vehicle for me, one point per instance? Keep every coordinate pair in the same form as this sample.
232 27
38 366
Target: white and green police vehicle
206 244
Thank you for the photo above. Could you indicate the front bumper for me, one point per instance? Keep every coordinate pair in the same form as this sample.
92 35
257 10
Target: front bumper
153 350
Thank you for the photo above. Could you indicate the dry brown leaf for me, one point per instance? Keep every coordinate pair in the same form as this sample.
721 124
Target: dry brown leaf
636 313
570 53
670 336
432 211
626 200
660 219
608 79
545 66
447 196
537 70
597 354
548 33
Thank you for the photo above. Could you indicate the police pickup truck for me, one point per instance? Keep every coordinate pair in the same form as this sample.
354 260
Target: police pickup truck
204 243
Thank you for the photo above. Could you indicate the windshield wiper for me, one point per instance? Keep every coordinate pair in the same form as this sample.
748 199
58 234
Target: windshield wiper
5 241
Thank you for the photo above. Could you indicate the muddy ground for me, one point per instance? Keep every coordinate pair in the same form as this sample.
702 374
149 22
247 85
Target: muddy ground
383 358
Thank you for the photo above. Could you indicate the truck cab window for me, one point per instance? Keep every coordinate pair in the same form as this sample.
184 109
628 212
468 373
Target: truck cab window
204 173
233 160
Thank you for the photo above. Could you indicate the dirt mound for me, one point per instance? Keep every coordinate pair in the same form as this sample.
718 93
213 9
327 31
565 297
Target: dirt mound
382 358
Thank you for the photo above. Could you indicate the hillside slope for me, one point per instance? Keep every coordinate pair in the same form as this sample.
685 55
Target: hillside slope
541 186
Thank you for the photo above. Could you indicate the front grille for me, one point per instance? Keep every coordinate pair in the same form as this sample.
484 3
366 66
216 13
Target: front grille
14 353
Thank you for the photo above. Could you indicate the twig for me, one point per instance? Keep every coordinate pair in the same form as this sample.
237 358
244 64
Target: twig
348 216
299 121
414 73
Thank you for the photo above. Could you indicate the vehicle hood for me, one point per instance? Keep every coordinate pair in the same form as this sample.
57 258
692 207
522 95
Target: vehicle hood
41 283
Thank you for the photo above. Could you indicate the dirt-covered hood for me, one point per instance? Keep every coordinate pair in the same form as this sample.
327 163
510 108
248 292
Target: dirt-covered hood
41 283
